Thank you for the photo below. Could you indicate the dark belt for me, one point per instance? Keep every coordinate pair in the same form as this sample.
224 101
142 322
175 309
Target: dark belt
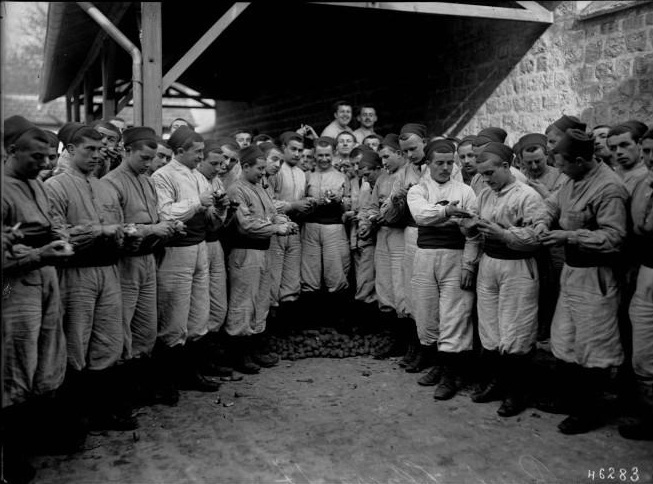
499 250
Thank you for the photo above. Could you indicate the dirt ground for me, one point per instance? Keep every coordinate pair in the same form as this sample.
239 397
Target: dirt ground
353 420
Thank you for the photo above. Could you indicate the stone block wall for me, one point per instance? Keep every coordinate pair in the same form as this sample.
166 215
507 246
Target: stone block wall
600 69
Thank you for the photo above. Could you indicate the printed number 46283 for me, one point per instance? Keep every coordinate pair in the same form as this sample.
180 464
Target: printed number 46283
614 474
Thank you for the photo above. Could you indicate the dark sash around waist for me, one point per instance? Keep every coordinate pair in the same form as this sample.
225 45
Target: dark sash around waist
240 242
642 249
575 258
443 237
328 214
499 250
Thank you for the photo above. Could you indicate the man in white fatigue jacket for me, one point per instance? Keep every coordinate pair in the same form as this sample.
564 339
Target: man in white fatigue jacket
444 267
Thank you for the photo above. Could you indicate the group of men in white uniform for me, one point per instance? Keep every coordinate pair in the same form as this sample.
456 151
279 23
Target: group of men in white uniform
158 272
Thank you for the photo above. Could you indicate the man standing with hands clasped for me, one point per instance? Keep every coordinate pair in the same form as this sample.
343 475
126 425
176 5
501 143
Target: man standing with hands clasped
255 222
444 267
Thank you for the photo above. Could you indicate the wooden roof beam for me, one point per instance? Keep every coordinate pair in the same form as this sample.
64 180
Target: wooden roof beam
532 11
203 43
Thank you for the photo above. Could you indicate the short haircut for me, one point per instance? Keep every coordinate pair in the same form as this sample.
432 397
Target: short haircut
139 144
179 119
268 146
85 133
232 145
323 143
342 133
355 152
406 136
262 138
162 142
339 103
363 106
102 123
373 136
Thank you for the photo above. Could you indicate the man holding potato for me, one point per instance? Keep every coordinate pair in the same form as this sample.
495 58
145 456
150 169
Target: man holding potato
444 266
507 286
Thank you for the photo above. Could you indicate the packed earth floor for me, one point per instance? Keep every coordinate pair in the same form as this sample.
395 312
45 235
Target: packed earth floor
345 420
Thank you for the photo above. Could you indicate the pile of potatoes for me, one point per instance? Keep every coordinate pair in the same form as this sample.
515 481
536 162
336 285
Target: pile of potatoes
328 343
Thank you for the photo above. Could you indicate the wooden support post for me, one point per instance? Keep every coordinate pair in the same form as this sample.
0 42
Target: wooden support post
69 107
76 109
108 79
152 65
88 99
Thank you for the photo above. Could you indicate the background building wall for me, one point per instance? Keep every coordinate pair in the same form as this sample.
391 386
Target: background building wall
464 74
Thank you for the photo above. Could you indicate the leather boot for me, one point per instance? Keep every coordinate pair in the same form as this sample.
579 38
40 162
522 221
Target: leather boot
424 358
67 414
410 330
560 395
166 361
391 324
108 407
642 427
448 386
242 356
586 415
15 463
216 364
261 354
432 378
192 378
490 390
514 402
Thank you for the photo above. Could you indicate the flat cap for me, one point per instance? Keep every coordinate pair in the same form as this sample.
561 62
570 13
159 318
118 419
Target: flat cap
504 152
138 133
494 133
414 128
575 143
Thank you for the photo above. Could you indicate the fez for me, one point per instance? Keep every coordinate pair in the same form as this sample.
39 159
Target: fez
414 128
637 127
569 122
575 143
17 126
180 136
138 133
250 154
212 145
391 141
439 146
495 134
68 131
480 141
370 159
503 151
467 139
530 139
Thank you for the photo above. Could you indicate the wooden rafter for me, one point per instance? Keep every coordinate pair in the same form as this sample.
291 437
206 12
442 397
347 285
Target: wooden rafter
203 43
532 11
